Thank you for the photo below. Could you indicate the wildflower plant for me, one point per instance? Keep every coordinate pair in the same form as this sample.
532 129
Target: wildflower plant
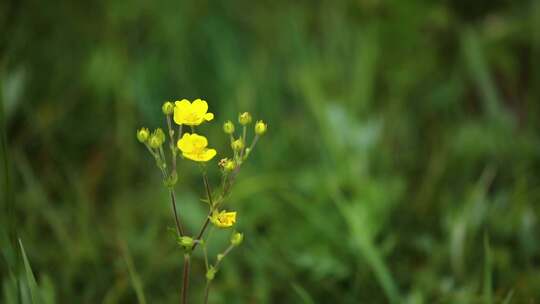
185 144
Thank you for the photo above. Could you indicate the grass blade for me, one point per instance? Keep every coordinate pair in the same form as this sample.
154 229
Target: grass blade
479 69
30 279
302 293
488 292
508 297
133 275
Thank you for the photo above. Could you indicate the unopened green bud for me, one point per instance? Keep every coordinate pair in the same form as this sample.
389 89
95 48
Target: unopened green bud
220 256
228 127
229 165
167 108
159 132
260 127
248 150
237 238
171 180
155 142
143 134
244 118
156 139
185 241
237 145
211 273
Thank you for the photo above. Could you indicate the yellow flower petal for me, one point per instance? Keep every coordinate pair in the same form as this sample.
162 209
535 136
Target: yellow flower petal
180 109
199 142
193 146
209 154
223 219
202 156
199 106
183 104
191 114
184 144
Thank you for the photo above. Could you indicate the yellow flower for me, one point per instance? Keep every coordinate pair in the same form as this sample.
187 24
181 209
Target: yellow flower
223 219
194 147
191 114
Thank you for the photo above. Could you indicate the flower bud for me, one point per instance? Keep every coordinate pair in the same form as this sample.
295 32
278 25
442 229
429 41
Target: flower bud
155 142
167 108
260 127
185 241
159 132
229 165
220 256
156 139
211 273
237 145
228 127
171 180
143 134
244 118
237 238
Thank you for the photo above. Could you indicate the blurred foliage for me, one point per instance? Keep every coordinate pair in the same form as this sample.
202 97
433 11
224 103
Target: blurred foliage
401 162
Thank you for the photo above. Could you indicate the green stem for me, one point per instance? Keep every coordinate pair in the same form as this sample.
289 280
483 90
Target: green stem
253 144
244 132
224 254
205 251
172 143
206 291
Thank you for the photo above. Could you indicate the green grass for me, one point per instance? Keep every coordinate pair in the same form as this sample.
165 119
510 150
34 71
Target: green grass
400 165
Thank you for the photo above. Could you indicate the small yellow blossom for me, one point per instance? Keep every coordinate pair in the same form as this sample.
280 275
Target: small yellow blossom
223 219
191 114
194 147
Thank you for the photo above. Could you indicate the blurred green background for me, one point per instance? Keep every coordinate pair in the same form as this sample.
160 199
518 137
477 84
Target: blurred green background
401 164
